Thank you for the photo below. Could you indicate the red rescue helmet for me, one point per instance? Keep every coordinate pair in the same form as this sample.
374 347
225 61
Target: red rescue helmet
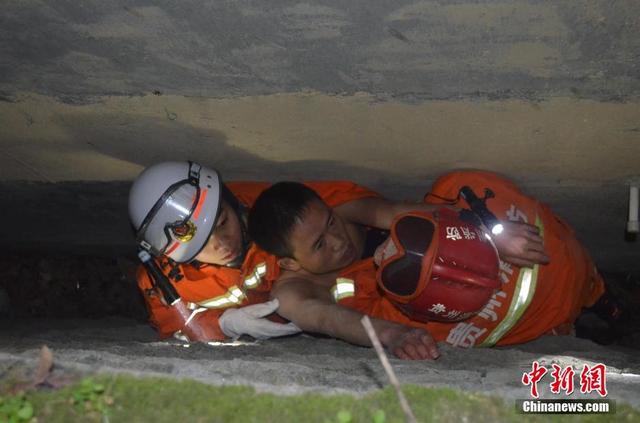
437 267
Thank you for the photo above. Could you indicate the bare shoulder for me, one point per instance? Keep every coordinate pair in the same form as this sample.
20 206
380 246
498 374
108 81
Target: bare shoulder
358 211
293 286
291 283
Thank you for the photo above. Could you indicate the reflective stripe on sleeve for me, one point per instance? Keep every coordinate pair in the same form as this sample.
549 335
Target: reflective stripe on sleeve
231 298
522 296
343 288
193 314
256 276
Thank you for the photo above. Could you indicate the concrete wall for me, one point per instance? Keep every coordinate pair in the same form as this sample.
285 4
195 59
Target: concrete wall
457 49
386 93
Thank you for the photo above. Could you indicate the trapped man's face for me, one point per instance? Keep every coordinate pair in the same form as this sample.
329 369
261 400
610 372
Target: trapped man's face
320 241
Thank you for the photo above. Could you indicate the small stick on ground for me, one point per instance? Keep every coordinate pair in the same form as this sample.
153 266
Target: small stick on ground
404 404
45 364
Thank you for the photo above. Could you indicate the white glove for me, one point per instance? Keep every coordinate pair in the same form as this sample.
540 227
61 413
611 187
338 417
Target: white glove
249 320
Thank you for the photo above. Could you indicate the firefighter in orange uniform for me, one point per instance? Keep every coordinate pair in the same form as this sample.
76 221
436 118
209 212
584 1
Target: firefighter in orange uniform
191 229
544 299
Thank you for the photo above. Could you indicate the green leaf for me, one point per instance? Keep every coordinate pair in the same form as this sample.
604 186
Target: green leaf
379 417
344 416
26 412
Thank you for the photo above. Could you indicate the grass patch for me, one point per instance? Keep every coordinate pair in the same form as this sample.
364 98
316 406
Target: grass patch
129 399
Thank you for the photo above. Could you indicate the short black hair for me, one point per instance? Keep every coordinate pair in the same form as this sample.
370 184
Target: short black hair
274 214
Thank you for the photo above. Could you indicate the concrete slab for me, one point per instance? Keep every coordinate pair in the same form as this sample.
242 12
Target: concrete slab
303 363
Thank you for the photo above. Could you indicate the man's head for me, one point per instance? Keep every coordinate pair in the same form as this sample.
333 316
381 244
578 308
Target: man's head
183 211
292 222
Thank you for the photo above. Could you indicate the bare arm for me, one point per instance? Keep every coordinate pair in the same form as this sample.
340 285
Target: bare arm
519 244
379 212
310 307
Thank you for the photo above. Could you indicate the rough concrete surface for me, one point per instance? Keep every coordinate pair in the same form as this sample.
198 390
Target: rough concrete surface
407 49
302 363
557 142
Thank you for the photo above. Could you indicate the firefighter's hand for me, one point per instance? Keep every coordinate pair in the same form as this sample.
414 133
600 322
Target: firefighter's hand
521 244
250 320
412 344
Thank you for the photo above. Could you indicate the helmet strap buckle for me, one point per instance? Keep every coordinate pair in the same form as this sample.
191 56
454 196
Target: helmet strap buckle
194 173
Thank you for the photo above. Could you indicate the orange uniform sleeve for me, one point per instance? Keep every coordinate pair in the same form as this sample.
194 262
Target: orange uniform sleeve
336 193
168 320
247 192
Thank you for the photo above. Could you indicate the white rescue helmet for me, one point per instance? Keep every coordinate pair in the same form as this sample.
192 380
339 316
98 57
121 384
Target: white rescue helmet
173 207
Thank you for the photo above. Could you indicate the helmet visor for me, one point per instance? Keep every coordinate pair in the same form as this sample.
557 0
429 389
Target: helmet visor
412 237
169 219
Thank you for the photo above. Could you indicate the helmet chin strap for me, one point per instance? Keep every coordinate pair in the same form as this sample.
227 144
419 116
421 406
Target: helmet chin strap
242 213
237 262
